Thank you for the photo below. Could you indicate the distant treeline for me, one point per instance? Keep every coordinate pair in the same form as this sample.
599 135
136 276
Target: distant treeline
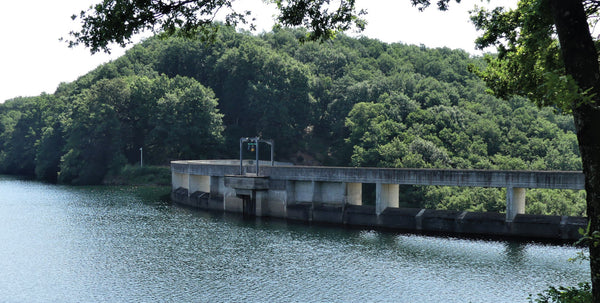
348 102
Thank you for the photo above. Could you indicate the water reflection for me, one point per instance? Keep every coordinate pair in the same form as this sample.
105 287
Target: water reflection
110 244
515 253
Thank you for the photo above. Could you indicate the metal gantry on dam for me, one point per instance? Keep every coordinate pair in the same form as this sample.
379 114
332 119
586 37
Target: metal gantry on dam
334 195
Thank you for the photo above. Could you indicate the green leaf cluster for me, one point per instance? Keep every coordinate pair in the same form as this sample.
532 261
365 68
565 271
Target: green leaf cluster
582 293
529 61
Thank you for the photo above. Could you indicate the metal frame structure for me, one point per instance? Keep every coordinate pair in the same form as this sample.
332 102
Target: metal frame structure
256 141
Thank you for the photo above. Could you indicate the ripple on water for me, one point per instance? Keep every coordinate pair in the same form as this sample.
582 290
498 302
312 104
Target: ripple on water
107 244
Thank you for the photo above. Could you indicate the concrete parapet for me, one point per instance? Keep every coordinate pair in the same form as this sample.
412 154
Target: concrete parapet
483 223
399 218
440 220
572 227
300 212
448 177
247 182
536 226
324 213
277 184
360 215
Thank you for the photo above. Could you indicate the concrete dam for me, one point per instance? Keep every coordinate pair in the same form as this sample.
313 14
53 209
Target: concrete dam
334 195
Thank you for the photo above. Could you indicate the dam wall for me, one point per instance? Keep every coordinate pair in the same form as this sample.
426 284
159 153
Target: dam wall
333 195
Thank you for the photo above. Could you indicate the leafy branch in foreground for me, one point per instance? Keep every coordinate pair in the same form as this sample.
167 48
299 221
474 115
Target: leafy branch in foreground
117 21
582 293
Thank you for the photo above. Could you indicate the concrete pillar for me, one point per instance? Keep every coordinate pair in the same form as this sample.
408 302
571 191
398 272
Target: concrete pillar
290 192
354 193
231 202
180 180
199 183
262 206
216 186
387 196
515 202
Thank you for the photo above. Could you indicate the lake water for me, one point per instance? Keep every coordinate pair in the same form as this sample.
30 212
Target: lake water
123 244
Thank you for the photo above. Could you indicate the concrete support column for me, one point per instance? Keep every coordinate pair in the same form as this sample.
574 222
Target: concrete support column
231 202
262 206
216 186
199 183
290 192
515 202
353 193
387 196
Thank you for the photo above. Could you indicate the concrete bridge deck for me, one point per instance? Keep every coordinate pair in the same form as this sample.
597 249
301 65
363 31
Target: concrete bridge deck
449 177
306 192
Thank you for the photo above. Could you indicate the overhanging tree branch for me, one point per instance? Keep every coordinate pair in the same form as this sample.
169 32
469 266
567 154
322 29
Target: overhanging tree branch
117 21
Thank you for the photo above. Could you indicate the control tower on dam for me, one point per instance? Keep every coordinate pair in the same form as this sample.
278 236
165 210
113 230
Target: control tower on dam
334 195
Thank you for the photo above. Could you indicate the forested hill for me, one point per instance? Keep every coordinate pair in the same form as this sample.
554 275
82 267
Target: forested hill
349 102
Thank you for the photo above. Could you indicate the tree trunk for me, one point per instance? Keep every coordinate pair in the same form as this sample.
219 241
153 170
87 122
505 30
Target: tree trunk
587 122
581 62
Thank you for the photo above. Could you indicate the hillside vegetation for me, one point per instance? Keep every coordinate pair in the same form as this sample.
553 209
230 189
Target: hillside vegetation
348 102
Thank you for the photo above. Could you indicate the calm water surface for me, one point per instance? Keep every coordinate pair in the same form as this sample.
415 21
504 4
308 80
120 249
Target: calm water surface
122 244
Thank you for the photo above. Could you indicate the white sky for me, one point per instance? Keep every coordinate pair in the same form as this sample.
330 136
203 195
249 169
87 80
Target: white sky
33 60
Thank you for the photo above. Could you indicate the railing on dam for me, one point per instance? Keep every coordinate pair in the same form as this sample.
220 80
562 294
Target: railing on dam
344 184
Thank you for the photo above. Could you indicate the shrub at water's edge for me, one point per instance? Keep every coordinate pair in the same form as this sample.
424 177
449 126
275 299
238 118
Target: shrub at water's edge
136 175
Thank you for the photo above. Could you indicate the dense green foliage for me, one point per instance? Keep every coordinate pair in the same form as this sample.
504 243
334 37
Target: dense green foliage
90 128
581 293
349 102
137 175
